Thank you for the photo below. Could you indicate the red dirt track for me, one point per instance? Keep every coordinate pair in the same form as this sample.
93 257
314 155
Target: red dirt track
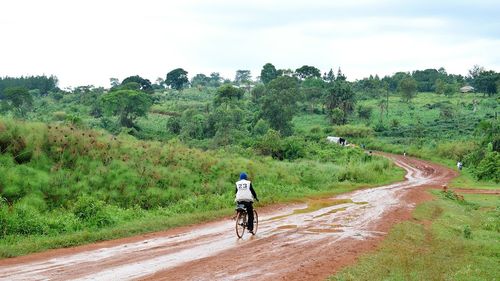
288 245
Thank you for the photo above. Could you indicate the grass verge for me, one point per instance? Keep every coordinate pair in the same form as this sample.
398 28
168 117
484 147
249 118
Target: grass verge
448 239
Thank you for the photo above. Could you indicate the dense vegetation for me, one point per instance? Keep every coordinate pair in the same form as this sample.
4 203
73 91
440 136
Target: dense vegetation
96 159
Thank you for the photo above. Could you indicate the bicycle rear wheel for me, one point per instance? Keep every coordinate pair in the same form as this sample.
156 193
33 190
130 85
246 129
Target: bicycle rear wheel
241 223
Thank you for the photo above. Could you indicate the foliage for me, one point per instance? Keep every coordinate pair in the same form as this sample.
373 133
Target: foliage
408 88
279 103
486 82
307 71
127 105
228 93
144 84
340 95
365 112
42 83
268 73
78 179
242 77
356 131
177 78
18 100
336 116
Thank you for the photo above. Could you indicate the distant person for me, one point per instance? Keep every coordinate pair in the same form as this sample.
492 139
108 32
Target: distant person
404 153
245 194
459 165
363 146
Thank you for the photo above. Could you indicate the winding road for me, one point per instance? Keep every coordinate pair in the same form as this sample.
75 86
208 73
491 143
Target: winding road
289 245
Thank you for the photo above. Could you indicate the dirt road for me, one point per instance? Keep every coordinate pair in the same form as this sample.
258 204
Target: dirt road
289 245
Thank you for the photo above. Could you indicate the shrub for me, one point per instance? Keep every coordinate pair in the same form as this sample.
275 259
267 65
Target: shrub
92 211
59 116
26 220
261 127
358 131
467 232
489 167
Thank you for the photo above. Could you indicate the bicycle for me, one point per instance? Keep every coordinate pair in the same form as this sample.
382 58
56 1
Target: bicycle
241 220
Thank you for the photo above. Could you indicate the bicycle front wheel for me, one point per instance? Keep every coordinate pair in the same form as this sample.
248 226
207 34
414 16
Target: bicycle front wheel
241 223
255 222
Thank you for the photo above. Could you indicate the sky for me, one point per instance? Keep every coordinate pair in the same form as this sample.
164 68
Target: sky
88 42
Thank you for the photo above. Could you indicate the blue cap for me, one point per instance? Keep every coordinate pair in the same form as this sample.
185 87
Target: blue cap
243 176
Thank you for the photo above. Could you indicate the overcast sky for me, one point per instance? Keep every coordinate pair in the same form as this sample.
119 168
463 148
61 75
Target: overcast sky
88 42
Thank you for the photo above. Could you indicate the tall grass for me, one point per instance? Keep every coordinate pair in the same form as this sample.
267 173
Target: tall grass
72 180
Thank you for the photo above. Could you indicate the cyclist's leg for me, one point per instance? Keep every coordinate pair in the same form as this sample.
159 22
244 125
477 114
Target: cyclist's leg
249 206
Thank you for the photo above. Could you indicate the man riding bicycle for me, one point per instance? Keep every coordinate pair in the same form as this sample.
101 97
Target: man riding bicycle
245 195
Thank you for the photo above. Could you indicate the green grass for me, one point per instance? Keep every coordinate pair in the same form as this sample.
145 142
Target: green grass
466 180
87 185
162 219
446 240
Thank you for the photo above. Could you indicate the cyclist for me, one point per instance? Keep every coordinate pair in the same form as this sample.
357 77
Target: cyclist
245 195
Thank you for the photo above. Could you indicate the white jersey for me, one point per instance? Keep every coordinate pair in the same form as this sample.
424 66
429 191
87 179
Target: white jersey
243 193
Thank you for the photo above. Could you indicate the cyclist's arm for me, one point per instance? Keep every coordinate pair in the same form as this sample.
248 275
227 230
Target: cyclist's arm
253 192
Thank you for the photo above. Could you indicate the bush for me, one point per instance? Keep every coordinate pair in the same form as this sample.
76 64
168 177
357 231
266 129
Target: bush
26 220
357 131
261 127
489 167
92 211
467 232
59 116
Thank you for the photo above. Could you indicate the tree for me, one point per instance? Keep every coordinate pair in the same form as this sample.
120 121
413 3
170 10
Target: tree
341 76
440 86
114 82
394 80
279 104
382 105
215 79
193 124
312 90
426 79
177 78
450 89
257 92
227 124
336 116
307 71
42 83
242 77
474 72
268 73
127 105
340 95
18 100
144 84
408 88
200 80
227 93
329 77
285 72
486 82
159 84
